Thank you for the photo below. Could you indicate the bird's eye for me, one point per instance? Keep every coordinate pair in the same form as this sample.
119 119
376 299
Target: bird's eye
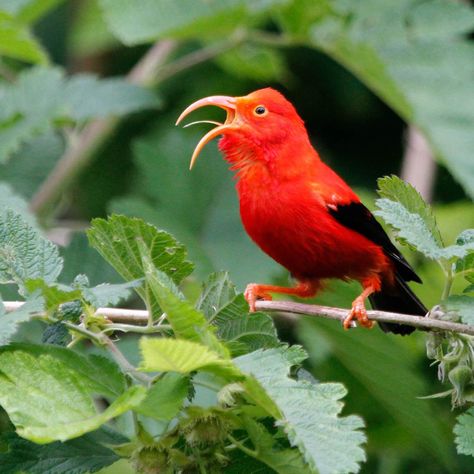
260 110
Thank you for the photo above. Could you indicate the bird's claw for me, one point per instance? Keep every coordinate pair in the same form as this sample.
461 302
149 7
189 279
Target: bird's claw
358 312
252 293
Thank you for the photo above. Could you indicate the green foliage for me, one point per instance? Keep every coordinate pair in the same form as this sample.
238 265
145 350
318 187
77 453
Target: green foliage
17 42
43 97
182 356
85 454
303 405
36 382
213 388
403 208
9 322
166 396
24 254
464 431
407 56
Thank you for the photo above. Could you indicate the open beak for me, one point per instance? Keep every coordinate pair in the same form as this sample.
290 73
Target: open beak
222 101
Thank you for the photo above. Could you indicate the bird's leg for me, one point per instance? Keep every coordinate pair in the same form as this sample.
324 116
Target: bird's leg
303 289
358 311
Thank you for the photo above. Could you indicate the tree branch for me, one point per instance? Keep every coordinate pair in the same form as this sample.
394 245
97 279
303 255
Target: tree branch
140 317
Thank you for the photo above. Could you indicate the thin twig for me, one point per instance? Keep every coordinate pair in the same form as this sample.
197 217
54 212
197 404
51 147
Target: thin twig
135 316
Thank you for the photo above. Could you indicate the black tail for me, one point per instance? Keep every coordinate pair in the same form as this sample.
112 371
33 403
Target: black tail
397 298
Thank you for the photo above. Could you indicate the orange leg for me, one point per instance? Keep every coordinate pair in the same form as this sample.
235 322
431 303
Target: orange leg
358 311
303 289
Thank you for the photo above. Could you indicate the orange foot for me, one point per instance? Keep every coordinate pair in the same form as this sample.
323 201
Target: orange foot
255 292
358 312
303 289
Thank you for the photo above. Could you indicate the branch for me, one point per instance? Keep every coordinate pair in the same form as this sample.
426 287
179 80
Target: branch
140 317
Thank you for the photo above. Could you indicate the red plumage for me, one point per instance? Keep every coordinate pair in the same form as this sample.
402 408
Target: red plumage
300 212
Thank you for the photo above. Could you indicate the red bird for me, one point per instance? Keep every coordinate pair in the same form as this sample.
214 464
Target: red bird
301 213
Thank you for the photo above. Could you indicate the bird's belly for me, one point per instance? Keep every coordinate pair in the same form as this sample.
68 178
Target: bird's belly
310 243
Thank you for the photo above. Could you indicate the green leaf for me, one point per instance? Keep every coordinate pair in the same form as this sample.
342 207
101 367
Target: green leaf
402 207
461 306
18 43
466 264
395 189
87 97
31 164
165 398
254 62
24 254
283 461
82 455
177 355
54 295
9 199
47 391
141 21
406 52
116 239
309 413
382 367
42 97
250 331
464 431
9 321
107 294
186 321
217 292
28 11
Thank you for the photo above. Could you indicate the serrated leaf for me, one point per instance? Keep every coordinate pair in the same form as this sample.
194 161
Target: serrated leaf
283 461
108 294
54 295
24 254
82 455
464 431
48 391
461 306
116 239
251 331
9 321
17 42
165 398
217 291
396 50
466 264
43 96
9 199
395 189
177 355
186 321
383 367
309 413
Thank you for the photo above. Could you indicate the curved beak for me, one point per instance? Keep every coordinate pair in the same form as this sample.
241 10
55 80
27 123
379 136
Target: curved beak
224 102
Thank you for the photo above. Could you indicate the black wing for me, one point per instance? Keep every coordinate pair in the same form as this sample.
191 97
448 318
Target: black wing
358 218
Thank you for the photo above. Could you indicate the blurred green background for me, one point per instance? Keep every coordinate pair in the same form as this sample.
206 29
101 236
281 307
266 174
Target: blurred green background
309 51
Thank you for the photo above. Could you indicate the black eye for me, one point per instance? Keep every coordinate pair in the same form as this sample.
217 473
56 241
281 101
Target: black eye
260 110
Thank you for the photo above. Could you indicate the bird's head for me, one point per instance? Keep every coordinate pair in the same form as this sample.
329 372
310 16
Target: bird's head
257 126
